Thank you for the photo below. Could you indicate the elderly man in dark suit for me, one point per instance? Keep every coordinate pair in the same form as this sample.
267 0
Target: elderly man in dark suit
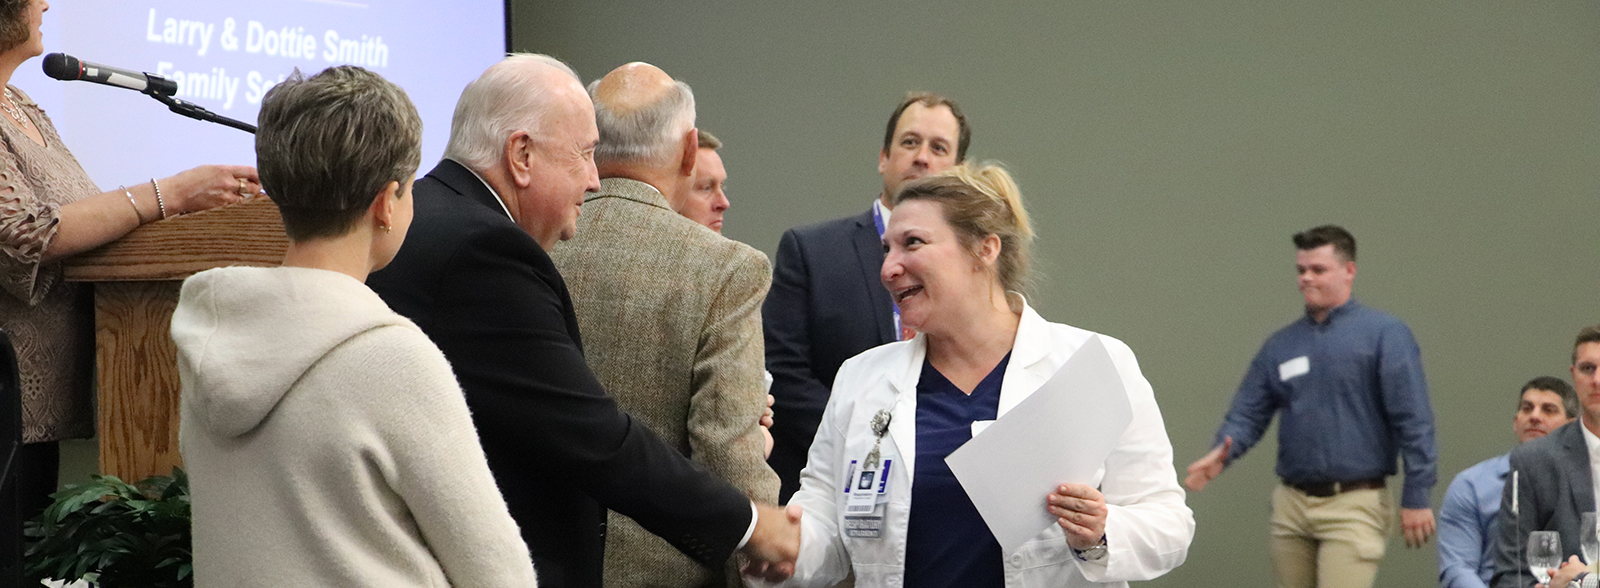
474 275
670 310
826 303
1553 482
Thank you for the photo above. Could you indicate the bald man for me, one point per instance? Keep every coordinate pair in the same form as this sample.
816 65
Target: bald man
669 309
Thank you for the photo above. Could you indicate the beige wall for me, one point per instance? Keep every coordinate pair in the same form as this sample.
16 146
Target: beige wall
1168 150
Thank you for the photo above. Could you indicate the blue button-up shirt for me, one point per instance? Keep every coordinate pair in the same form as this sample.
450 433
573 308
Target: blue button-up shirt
1467 524
1352 397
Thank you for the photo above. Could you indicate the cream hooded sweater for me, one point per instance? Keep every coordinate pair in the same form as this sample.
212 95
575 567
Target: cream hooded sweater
327 442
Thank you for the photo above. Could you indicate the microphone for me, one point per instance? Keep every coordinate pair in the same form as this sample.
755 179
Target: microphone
66 68
1514 501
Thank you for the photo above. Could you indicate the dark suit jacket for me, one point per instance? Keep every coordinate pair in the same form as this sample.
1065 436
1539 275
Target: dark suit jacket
826 305
559 447
1554 489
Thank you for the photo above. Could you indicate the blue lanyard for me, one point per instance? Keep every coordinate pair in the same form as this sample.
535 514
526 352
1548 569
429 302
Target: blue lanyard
877 219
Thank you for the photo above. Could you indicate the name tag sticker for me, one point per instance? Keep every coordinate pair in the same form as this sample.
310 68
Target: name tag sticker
1296 367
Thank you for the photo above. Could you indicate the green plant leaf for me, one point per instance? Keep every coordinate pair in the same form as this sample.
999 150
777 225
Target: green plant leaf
121 534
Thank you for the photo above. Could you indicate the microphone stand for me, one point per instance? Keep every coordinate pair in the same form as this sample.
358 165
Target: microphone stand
197 112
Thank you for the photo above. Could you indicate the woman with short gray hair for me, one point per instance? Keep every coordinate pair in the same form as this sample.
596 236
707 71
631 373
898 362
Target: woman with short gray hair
327 441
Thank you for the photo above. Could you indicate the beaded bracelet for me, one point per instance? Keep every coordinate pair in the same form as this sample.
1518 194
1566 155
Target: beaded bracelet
160 204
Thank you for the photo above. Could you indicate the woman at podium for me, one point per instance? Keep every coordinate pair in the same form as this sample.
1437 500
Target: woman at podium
51 210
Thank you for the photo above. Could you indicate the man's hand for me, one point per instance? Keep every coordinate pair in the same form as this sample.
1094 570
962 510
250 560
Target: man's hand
1207 468
1417 523
1563 576
775 544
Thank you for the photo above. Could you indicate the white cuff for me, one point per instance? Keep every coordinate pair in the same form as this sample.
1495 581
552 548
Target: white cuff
755 515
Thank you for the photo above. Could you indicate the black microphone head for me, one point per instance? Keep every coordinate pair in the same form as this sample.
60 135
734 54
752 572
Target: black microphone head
62 66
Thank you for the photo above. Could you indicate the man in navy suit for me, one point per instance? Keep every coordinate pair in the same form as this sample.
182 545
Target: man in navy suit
826 303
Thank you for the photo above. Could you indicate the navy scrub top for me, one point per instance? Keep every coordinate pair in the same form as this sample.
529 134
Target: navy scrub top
947 542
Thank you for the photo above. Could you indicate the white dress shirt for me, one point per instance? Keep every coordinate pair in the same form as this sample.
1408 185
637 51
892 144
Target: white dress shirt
1593 442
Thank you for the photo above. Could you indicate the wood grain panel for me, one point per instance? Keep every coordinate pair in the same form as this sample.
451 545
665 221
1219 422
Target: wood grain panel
137 365
248 233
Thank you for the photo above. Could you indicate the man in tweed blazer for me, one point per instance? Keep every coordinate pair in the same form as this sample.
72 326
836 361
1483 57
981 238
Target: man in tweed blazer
670 310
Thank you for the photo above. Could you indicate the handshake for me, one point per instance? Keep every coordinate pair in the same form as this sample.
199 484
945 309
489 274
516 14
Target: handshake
775 544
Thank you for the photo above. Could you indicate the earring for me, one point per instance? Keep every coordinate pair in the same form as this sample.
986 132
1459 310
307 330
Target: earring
386 228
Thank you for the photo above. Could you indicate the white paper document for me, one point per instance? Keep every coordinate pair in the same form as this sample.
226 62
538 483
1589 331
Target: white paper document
1061 434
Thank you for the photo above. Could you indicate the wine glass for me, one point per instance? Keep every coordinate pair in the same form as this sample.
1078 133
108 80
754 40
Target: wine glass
1589 536
1544 553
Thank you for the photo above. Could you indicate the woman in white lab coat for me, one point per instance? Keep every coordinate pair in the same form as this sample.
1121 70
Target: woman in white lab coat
957 258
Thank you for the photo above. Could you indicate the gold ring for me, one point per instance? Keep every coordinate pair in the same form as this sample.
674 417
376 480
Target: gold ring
242 188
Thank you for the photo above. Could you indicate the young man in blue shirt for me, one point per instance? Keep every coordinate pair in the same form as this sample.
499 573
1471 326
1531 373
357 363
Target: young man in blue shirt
1348 381
1467 530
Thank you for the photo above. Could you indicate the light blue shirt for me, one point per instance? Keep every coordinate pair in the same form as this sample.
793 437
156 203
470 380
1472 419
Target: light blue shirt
1467 524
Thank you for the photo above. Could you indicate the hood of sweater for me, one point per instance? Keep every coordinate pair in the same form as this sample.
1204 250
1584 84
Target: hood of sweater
245 335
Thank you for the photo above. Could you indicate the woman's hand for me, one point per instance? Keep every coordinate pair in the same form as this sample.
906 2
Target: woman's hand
209 186
1081 512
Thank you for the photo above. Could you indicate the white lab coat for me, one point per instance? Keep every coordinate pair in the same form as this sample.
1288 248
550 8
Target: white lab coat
1148 529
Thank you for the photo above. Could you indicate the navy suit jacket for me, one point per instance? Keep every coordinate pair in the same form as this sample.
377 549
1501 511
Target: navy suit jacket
560 449
826 305
1554 489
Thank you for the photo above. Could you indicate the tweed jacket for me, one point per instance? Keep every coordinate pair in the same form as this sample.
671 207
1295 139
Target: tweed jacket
1554 488
670 313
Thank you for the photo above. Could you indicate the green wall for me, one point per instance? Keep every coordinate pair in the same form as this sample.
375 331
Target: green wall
1168 150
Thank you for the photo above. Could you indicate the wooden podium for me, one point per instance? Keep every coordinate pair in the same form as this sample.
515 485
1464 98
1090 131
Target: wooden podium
136 281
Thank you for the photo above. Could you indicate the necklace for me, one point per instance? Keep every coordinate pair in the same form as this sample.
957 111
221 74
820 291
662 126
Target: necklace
11 108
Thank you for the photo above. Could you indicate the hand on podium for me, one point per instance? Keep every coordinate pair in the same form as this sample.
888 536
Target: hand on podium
775 544
209 186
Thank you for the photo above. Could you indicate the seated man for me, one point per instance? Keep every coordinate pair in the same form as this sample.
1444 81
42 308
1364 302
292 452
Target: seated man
1467 518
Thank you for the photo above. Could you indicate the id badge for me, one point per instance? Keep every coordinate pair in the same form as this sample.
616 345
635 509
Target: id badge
866 500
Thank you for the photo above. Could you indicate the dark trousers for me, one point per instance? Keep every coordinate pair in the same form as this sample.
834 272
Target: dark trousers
25 493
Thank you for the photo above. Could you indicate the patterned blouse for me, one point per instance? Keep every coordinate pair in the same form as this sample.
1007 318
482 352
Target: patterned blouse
51 321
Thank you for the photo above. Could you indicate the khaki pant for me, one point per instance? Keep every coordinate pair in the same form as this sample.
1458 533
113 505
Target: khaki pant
1333 542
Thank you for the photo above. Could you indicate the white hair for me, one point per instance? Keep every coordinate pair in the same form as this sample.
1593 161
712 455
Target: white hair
510 96
651 135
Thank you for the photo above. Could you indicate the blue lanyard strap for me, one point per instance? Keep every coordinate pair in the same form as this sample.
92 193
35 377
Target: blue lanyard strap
877 220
